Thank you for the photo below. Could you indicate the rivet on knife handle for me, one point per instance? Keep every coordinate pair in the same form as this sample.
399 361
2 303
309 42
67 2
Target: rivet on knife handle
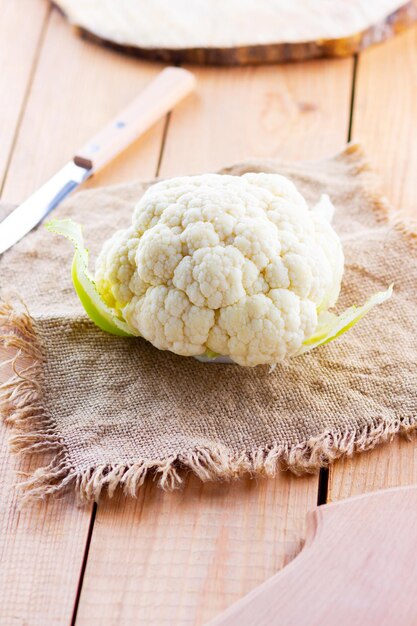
157 99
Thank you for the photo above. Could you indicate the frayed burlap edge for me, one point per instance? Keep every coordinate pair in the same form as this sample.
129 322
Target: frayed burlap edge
36 432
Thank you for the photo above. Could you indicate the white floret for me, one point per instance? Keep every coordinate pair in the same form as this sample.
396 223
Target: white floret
168 320
236 265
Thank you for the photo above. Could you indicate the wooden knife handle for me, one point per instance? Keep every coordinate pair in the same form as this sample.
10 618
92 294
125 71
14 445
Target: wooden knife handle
159 97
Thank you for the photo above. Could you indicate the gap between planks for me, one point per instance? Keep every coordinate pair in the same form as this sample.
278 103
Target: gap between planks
324 474
84 563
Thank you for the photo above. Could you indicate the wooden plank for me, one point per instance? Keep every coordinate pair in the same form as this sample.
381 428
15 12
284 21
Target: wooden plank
385 116
389 465
41 548
288 112
76 88
385 121
21 29
180 558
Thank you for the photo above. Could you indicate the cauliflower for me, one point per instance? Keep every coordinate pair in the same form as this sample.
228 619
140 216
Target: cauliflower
236 266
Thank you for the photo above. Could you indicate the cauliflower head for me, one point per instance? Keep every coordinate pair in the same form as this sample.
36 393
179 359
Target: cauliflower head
222 268
232 265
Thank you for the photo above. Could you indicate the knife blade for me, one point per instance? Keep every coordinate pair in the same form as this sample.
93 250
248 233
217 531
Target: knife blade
157 99
33 210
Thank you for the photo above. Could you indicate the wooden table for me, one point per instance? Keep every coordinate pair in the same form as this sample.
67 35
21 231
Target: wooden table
181 558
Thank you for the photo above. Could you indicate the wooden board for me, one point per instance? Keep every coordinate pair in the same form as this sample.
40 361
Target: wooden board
26 20
385 121
181 558
357 567
239 32
385 116
42 547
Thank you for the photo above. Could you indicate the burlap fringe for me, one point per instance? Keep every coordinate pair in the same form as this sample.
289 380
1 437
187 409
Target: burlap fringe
21 407
406 225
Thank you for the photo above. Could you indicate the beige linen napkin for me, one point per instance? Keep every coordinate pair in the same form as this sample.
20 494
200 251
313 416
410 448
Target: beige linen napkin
110 409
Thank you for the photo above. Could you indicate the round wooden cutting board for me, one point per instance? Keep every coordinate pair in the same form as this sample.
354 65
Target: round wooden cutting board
239 32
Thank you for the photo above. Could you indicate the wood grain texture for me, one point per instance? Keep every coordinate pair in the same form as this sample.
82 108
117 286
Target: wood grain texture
290 112
351 570
181 558
78 89
41 547
75 89
385 121
21 29
273 33
385 116
389 465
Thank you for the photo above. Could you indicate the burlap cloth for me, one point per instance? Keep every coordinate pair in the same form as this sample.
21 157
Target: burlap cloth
112 409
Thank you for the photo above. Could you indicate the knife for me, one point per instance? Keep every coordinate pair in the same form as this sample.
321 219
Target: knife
157 99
